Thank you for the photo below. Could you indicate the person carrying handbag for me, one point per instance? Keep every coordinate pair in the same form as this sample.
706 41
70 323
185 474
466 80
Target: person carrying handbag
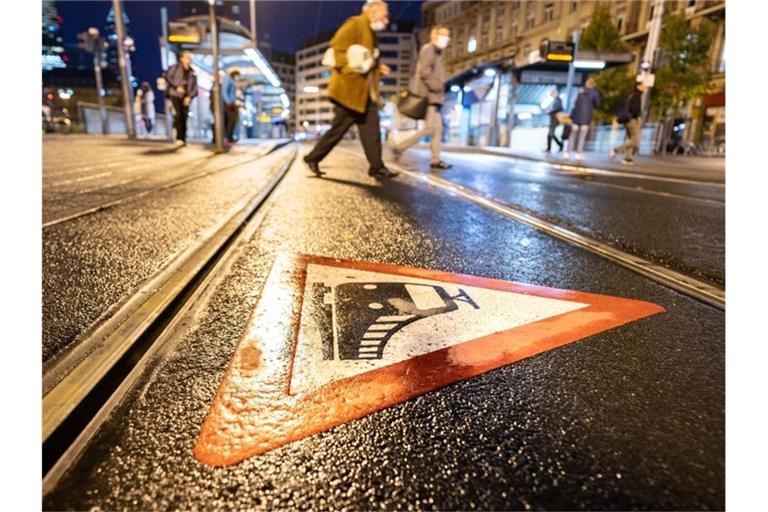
429 82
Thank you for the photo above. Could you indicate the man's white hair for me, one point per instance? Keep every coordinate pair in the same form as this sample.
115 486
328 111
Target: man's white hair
370 3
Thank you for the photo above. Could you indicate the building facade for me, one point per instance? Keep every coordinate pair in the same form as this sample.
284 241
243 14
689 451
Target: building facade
284 65
397 47
511 32
53 52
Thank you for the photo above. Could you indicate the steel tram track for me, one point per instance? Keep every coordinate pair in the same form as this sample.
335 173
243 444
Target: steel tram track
82 386
682 283
136 195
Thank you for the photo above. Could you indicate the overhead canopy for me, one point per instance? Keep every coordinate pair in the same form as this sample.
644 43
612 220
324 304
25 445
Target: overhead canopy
236 50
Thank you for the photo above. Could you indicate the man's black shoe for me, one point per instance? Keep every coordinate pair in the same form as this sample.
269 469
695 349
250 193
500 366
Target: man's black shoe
382 173
440 165
314 167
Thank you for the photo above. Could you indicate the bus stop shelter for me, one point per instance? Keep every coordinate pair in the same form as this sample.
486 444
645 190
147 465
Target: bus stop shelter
266 106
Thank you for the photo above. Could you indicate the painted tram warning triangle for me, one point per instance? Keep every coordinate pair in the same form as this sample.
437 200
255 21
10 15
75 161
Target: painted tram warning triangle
331 341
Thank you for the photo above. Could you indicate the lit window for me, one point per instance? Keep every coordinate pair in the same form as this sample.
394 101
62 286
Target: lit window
549 12
620 17
472 44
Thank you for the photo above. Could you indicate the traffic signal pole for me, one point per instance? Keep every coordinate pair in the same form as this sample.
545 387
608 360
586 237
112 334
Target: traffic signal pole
125 70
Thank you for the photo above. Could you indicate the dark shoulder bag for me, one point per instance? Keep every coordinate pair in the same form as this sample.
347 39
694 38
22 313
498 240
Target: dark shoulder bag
412 105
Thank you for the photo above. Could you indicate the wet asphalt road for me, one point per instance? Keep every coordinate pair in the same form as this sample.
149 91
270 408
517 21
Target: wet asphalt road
92 262
631 418
678 225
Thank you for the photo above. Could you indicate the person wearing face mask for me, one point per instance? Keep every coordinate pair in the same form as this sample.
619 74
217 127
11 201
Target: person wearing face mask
429 81
354 88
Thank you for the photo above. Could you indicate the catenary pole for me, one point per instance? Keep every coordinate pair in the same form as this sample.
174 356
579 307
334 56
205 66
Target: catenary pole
569 98
125 74
164 57
218 127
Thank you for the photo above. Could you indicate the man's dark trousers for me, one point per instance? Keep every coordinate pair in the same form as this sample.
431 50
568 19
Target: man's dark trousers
180 118
343 119
231 118
553 123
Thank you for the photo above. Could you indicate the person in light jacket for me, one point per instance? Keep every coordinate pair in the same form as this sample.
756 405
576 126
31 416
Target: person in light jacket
354 88
581 116
429 81
231 106
144 106
182 88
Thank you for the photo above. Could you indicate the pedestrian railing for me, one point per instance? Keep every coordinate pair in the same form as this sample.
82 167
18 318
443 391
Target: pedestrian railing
91 116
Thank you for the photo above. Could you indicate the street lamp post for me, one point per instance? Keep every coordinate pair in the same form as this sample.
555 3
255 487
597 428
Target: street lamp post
125 66
98 50
217 114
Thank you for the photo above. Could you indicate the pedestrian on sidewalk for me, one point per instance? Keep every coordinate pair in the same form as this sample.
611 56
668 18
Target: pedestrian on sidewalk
182 90
231 104
581 115
554 108
144 105
354 88
628 114
429 82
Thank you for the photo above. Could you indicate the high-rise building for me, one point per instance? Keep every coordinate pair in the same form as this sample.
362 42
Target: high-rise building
397 47
53 54
284 65
110 33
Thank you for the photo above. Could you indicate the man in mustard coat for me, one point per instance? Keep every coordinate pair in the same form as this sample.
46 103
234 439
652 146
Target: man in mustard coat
354 88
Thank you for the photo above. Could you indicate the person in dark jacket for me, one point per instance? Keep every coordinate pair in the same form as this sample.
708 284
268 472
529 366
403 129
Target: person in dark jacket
581 117
182 88
634 111
554 108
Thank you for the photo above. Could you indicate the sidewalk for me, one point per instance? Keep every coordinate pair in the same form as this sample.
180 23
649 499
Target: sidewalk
705 169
